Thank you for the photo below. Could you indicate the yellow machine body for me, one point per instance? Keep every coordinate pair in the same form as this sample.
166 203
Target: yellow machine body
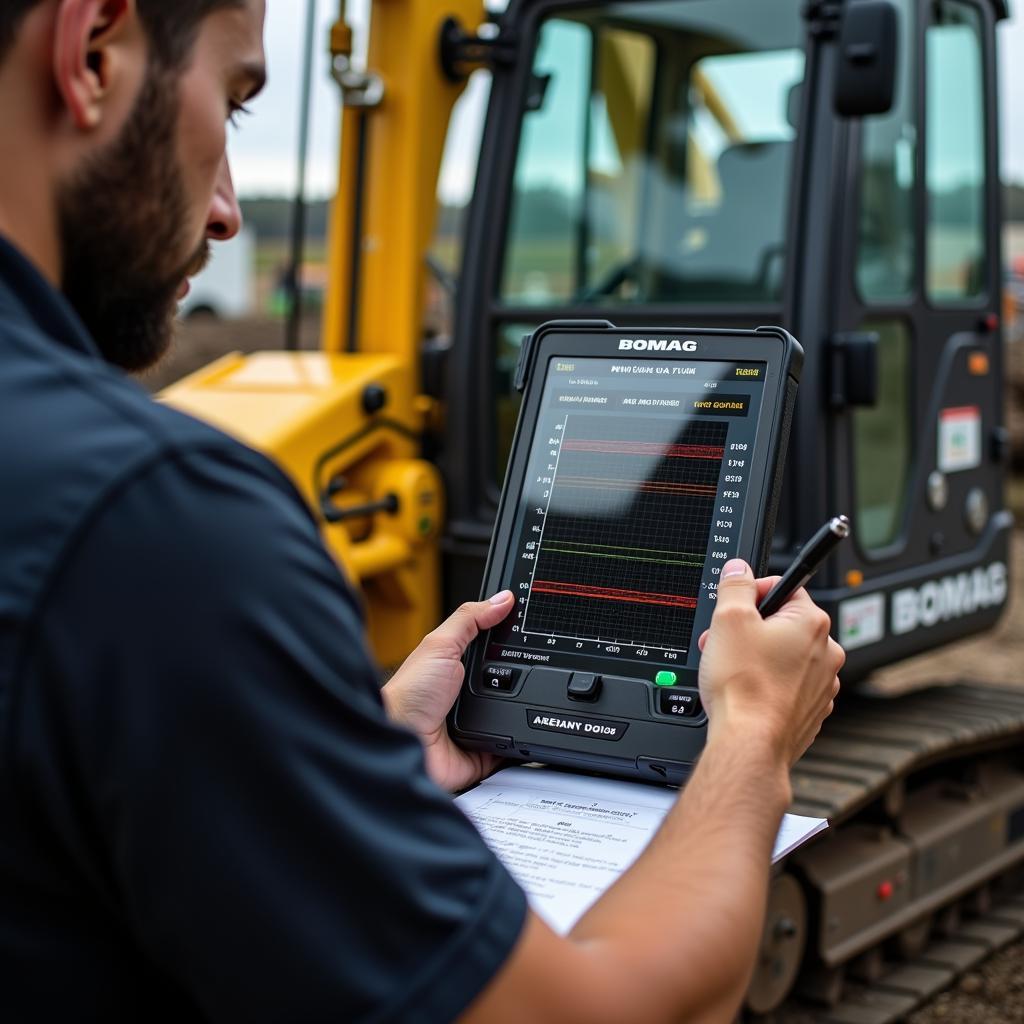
316 414
404 143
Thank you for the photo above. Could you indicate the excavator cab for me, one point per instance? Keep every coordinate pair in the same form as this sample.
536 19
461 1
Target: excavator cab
828 167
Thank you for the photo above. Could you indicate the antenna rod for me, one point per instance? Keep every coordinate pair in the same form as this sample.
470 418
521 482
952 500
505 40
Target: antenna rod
298 242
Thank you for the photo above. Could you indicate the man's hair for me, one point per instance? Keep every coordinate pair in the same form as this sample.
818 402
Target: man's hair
170 26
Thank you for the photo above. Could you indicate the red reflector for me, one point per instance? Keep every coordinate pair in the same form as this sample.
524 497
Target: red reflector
990 322
885 890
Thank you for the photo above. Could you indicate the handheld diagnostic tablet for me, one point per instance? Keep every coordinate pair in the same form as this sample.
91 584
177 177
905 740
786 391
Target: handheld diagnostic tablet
643 461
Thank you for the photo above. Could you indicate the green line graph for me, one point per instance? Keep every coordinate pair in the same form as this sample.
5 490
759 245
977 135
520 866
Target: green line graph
624 547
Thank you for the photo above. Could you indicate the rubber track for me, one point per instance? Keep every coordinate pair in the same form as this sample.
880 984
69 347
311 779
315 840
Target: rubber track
870 743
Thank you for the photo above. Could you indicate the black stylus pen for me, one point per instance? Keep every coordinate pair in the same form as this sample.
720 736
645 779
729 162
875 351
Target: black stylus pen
807 563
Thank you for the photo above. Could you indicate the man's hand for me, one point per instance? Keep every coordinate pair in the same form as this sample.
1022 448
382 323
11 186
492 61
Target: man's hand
769 679
421 693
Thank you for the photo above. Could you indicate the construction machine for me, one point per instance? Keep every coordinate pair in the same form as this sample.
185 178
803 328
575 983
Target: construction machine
827 166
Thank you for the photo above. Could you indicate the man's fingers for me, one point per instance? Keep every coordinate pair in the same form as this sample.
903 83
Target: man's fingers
799 601
466 622
495 609
737 587
764 585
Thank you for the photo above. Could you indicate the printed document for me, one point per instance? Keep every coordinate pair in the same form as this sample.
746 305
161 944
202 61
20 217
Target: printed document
566 838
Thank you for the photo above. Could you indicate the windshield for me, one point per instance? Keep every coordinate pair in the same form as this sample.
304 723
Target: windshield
655 155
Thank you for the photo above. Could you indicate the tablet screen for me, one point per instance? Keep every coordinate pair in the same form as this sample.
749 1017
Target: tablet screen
632 501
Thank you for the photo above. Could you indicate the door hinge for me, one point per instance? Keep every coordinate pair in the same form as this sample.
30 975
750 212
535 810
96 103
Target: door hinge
853 372
461 53
823 17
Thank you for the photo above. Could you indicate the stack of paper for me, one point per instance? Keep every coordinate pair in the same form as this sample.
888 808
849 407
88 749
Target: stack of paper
566 838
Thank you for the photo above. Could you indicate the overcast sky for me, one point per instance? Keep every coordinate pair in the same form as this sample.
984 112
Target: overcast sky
264 148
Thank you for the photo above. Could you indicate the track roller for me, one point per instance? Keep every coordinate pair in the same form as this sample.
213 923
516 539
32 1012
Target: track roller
782 945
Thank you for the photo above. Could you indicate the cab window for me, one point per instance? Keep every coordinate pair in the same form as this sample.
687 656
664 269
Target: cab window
653 166
458 172
883 436
887 275
955 156
887 247
655 156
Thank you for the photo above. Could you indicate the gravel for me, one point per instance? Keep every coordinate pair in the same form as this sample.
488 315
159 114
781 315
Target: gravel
993 993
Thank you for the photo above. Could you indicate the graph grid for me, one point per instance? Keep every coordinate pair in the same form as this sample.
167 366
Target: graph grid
626 530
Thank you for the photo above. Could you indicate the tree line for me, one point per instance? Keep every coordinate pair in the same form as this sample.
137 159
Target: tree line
548 212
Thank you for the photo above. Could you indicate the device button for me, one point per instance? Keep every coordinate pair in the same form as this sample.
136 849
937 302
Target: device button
502 678
684 703
584 686
665 678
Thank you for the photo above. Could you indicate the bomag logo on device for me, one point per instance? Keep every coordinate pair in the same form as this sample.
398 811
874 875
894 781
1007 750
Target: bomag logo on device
656 345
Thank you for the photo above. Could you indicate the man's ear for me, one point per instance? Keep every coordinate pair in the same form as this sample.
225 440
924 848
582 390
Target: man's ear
86 54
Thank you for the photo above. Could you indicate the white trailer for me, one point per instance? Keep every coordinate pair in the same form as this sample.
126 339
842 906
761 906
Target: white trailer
226 288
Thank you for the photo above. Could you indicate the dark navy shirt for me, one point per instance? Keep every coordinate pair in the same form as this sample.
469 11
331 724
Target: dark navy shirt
204 813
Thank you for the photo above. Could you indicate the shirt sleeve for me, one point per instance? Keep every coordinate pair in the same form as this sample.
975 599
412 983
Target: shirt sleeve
205 728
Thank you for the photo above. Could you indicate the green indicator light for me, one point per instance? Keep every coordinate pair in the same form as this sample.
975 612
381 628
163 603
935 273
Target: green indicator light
665 678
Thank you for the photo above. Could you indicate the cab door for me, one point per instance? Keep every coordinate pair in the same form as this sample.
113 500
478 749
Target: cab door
637 165
918 265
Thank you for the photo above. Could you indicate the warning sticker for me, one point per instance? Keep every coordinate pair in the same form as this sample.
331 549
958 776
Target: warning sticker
959 438
861 621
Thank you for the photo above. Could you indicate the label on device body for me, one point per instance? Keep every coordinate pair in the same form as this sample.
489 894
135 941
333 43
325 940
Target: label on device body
573 725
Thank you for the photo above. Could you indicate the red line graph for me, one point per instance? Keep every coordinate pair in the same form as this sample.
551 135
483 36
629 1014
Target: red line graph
612 594
652 448
651 486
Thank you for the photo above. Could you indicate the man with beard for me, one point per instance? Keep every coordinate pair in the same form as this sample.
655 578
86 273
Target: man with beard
207 811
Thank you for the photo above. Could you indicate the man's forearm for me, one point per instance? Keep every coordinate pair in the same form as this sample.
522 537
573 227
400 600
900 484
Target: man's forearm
675 938
693 904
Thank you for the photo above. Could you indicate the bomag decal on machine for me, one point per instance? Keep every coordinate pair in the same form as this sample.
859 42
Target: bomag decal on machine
950 597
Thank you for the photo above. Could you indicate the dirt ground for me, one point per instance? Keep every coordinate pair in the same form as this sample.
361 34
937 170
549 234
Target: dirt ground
993 993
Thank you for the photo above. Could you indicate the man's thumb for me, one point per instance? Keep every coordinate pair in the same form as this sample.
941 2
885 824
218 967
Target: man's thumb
473 617
737 585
